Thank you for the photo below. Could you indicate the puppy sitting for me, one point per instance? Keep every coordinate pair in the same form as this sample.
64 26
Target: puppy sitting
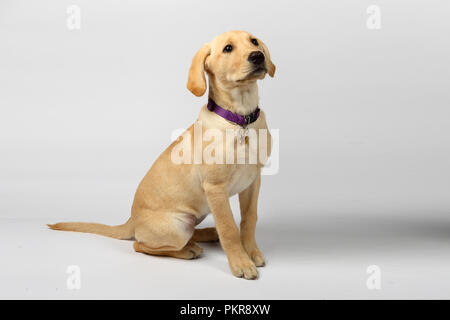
175 196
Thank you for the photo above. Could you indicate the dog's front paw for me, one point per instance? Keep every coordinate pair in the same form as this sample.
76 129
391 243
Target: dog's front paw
257 257
244 268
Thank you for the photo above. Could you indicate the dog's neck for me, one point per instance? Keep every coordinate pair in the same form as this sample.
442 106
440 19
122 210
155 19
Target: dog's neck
239 99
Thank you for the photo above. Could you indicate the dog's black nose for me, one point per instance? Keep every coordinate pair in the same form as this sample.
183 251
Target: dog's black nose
256 57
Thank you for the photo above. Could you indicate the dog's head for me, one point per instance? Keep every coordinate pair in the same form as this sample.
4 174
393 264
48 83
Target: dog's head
234 58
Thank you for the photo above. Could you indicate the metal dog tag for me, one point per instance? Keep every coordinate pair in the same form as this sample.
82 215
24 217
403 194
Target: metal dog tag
243 132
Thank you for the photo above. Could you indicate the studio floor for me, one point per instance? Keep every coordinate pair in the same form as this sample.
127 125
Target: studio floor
323 257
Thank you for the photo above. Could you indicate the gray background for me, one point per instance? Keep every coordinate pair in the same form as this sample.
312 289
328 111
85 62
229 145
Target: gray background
364 145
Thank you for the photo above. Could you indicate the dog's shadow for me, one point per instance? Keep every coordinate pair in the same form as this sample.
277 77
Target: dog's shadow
319 237
348 234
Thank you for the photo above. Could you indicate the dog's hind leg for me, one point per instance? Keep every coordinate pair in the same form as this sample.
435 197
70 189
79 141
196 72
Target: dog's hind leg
205 235
190 251
167 234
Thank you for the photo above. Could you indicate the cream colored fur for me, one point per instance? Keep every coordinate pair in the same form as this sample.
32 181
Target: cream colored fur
173 198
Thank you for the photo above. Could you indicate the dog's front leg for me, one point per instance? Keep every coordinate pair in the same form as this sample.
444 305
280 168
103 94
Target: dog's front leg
248 200
240 263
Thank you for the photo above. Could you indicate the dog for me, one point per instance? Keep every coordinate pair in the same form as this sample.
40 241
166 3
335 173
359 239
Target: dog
174 197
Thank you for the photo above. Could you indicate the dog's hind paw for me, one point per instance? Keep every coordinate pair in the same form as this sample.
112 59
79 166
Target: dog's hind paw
191 251
205 235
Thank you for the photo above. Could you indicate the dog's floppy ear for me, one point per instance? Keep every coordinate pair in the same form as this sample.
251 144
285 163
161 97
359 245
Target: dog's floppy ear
196 79
270 66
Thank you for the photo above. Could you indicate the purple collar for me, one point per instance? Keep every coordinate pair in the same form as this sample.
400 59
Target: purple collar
233 117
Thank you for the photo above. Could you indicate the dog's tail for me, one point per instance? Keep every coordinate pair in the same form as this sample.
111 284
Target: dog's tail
124 231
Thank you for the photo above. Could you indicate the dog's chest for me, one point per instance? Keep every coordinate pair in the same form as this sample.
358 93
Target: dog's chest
242 177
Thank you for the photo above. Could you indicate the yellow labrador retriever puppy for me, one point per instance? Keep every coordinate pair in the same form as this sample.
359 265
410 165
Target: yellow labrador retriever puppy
174 197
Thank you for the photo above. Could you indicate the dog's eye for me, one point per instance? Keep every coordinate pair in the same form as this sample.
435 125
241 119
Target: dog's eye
228 48
255 42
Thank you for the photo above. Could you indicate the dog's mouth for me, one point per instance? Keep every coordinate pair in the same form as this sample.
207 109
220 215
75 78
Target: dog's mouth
256 72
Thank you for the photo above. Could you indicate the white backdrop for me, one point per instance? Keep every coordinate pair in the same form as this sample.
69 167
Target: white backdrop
363 115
